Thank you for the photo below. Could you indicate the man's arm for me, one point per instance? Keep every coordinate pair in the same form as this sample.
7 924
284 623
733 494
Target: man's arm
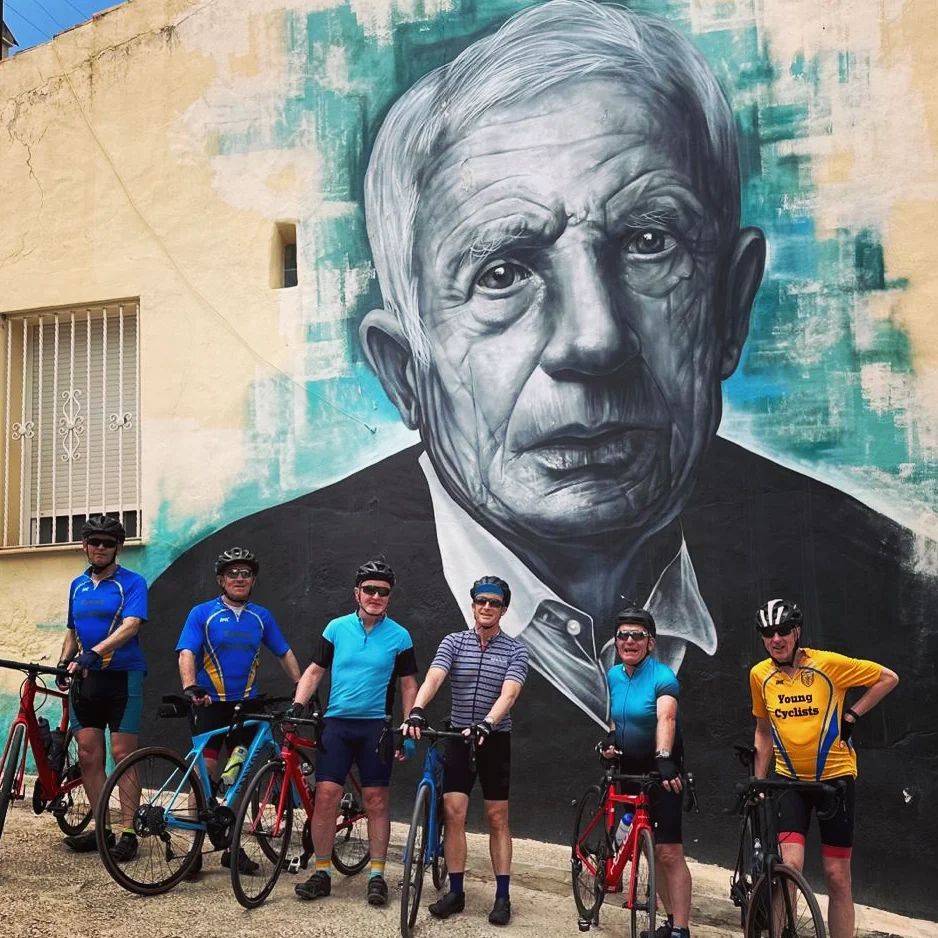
429 689
291 666
308 683
506 699
120 636
408 686
187 672
886 681
665 729
69 647
762 741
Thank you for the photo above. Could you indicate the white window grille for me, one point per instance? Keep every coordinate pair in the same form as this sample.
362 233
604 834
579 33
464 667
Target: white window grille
71 444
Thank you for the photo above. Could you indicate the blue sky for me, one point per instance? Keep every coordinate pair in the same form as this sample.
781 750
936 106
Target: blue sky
36 21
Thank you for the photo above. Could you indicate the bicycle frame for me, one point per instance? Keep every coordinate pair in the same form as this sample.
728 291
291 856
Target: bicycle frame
432 778
48 780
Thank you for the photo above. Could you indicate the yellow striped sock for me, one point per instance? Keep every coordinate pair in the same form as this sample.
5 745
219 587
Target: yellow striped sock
377 868
324 865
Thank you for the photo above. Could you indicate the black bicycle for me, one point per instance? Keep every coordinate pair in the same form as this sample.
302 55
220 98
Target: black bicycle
774 899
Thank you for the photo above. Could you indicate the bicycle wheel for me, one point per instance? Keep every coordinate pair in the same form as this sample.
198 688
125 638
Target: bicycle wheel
741 884
589 851
13 756
350 851
72 809
439 857
166 806
644 906
795 912
414 851
262 836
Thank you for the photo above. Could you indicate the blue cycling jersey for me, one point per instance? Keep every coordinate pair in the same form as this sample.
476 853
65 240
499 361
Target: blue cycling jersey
95 610
226 643
364 665
634 705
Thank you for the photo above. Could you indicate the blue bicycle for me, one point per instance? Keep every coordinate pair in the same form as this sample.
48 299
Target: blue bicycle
424 845
170 802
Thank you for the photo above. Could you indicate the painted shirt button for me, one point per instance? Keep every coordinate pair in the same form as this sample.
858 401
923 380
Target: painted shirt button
574 627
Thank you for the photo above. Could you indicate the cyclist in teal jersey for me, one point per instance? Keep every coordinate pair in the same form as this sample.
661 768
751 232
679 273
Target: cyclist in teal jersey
219 648
107 604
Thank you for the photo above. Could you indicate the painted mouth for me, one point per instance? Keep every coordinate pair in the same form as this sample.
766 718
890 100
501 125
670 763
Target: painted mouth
578 447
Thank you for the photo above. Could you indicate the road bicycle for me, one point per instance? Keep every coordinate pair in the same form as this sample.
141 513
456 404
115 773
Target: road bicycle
58 788
598 858
171 803
775 900
264 820
424 845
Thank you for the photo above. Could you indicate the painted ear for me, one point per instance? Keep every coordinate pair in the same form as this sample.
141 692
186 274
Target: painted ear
743 276
388 352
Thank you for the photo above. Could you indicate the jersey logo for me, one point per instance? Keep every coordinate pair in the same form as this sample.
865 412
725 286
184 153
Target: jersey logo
807 678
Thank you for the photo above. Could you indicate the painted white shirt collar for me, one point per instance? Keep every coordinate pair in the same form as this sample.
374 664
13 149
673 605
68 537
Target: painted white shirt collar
468 551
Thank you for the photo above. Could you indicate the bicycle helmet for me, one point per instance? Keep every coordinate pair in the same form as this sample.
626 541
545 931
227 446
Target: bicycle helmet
778 612
103 524
636 615
374 570
491 584
236 555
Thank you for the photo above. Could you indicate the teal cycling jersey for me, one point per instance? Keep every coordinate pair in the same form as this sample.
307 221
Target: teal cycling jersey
96 610
364 664
226 643
634 705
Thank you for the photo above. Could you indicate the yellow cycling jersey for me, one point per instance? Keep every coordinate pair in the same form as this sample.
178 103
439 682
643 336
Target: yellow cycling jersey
804 711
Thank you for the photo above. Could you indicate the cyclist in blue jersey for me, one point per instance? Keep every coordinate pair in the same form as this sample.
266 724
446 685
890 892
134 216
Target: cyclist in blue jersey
487 670
646 730
368 655
219 648
107 604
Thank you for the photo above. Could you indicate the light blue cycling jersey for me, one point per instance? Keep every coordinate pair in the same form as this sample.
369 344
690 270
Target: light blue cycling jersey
364 665
95 610
634 705
226 643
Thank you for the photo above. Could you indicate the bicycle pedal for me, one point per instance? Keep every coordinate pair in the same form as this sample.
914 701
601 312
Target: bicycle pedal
293 865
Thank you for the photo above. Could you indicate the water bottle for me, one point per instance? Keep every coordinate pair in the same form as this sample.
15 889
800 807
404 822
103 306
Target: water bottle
622 831
45 733
232 768
57 752
308 771
757 855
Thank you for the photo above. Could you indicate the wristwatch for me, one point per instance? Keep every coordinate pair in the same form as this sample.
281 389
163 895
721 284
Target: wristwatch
663 754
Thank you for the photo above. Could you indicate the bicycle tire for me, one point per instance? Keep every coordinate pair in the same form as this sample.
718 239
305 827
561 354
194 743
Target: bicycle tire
438 867
743 879
165 853
414 851
798 914
588 853
350 849
14 754
257 834
73 812
645 905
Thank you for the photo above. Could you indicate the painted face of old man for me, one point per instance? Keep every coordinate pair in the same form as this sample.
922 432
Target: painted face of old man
581 308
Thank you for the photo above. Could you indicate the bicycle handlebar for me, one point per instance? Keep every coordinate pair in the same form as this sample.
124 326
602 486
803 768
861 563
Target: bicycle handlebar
756 786
33 668
431 733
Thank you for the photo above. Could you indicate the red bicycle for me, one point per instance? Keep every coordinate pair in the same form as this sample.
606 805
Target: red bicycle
58 785
599 857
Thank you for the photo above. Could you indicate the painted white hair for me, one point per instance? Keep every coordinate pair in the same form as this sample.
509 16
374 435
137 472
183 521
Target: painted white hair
535 50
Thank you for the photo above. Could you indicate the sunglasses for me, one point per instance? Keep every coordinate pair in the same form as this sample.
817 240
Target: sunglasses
101 542
239 573
767 631
636 636
485 601
376 590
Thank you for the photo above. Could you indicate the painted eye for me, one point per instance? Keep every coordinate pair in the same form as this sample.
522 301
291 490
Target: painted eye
649 242
501 276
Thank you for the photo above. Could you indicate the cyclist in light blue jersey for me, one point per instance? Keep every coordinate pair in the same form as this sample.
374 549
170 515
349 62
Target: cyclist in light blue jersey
219 648
107 604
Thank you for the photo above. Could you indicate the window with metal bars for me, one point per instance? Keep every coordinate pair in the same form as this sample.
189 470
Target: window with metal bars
71 427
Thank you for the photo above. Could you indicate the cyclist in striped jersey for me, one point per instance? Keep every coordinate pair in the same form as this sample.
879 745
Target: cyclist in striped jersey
487 670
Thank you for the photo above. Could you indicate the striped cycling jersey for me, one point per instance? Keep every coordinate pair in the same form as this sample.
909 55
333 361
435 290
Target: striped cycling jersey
477 674
805 710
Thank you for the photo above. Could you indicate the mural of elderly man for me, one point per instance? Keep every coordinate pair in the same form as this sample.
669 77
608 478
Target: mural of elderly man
554 220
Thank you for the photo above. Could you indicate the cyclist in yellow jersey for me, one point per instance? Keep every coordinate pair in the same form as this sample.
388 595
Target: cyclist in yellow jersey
798 700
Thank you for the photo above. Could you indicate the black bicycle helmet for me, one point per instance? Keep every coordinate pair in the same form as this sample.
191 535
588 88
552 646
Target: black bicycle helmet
103 524
374 570
489 581
778 612
236 555
636 615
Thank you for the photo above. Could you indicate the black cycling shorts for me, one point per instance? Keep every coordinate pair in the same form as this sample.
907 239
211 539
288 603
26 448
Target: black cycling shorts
493 767
221 713
794 817
667 807
107 699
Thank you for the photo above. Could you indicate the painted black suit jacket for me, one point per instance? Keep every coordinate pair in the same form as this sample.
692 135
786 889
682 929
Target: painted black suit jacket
754 530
